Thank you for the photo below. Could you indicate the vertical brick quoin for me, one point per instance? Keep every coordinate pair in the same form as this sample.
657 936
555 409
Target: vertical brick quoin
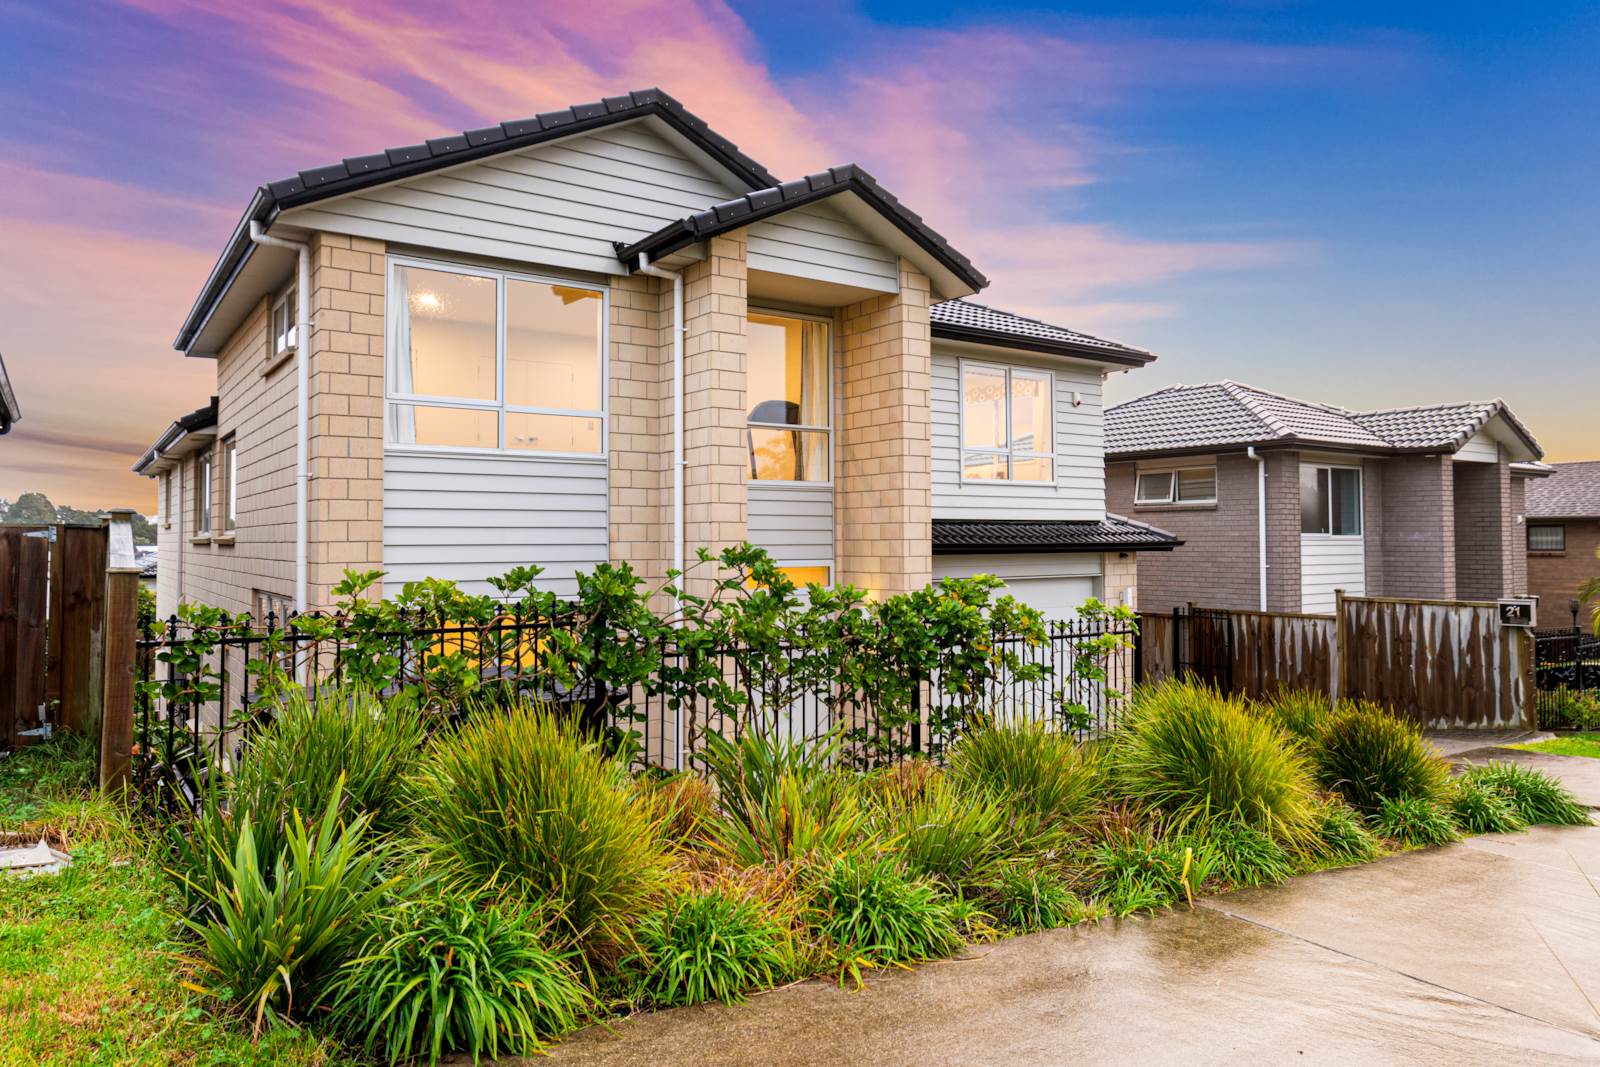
1119 583
1517 546
345 498
1372 524
1483 518
640 431
1419 540
715 421
1283 532
883 489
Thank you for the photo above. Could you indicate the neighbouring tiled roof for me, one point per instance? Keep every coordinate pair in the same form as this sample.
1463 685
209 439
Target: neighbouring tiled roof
969 321
779 197
1232 414
200 418
1113 533
1571 492
9 412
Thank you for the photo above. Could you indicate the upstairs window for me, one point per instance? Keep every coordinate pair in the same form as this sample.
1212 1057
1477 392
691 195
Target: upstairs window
1330 500
202 493
1547 538
1007 431
787 387
285 311
1188 485
487 360
230 485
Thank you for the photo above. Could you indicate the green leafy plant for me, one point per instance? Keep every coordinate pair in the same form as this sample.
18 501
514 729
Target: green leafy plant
1533 795
1246 856
945 830
797 817
279 925
682 805
1415 821
1140 872
1029 898
1481 809
1301 713
873 913
1031 769
1201 757
1342 835
451 972
1368 754
713 944
517 794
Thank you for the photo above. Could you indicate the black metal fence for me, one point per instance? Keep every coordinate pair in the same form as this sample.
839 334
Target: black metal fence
1567 679
202 691
1202 645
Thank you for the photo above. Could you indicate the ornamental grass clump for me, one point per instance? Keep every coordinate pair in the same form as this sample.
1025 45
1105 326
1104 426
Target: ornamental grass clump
452 972
871 912
709 944
1303 714
521 797
1042 776
1368 754
947 831
1533 795
1137 871
682 805
1245 856
1481 809
1027 898
1201 757
796 817
1342 835
1415 821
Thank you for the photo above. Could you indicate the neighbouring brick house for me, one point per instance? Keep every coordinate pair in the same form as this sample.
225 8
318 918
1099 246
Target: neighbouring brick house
1563 537
605 333
1280 502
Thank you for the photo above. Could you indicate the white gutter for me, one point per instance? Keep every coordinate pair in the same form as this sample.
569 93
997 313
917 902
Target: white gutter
646 267
1261 518
302 401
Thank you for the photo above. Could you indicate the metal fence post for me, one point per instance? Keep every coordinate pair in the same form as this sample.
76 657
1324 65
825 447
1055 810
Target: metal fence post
121 636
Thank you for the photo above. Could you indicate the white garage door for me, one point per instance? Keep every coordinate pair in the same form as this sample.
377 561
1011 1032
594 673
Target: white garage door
1055 598
1054 584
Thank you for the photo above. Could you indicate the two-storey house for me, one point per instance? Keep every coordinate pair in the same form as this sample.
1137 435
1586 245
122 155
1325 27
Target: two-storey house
605 333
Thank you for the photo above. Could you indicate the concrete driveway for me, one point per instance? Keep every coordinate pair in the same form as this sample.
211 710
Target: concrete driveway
1487 951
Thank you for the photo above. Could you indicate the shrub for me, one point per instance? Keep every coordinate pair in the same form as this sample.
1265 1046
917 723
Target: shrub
946 831
1481 809
1571 709
1139 872
1301 713
450 972
1201 757
873 913
709 945
682 805
748 770
1028 898
1415 821
1246 856
1535 796
1342 835
520 796
1368 755
278 926
798 816
1031 768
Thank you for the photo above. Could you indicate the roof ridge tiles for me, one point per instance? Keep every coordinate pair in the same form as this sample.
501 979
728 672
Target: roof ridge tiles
1240 394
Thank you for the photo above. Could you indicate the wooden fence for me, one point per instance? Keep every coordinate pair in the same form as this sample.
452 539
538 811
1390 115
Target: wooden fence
1444 663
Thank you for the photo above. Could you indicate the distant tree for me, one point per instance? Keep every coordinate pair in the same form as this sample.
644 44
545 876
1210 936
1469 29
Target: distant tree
144 531
77 516
33 509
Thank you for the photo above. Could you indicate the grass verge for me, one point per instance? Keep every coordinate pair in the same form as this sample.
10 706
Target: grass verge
1584 744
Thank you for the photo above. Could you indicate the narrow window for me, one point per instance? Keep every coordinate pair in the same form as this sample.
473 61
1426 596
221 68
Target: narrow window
787 385
1547 538
285 311
1007 424
230 485
202 493
1330 500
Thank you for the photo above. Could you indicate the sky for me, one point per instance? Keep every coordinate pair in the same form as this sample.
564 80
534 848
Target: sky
1366 204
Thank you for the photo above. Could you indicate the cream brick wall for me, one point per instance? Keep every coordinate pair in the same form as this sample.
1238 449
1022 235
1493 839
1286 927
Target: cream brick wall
883 478
640 431
1119 583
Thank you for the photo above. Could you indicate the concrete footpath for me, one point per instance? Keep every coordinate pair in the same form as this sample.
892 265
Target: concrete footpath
1483 952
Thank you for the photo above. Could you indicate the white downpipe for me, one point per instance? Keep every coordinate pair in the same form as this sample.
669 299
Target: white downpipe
646 267
302 399
1261 518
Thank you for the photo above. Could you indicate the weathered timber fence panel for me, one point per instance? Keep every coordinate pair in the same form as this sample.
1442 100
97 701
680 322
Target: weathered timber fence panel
1155 646
1445 663
77 626
1274 651
24 590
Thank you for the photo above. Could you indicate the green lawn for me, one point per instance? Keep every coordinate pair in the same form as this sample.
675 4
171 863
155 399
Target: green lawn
1584 744
89 962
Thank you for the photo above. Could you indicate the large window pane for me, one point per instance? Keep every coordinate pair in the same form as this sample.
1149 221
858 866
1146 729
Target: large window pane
788 455
1197 485
1547 538
415 424
983 408
1033 469
786 371
1030 414
552 346
446 333
1154 487
1345 501
984 466
552 433
1313 500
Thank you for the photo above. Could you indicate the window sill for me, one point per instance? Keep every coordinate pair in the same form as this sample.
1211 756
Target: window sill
1548 553
200 539
223 539
1194 505
272 363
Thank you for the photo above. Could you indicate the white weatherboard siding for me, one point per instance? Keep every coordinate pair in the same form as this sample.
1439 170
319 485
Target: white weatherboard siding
1079 491
1054 583
1328 563
559 204
472 517
793 523
1480 448
815 242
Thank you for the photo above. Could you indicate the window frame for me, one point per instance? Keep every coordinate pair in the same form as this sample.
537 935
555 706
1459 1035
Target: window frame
1173 480
501 277
230 484
827 431
166 500
203 474
1009 452
1361 499
286 301
1561 527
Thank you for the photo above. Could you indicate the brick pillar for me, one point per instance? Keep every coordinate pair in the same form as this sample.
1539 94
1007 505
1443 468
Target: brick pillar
715 441
1419 535
1517 546
345 497
883 480
1483 528
640 433
1283 531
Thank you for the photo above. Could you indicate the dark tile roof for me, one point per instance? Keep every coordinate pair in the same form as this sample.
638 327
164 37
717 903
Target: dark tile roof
777 198
1190 418
200 418
1571 492
1113 533
964 320
9 411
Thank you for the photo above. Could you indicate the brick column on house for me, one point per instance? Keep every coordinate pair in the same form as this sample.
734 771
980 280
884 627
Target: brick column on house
1372 525
345 496
1483 527
1419 538
883 483
1119 582
1516 546
715 420
640 432
1283 531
